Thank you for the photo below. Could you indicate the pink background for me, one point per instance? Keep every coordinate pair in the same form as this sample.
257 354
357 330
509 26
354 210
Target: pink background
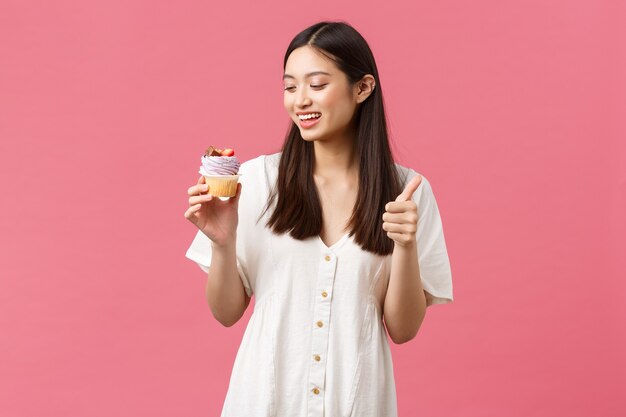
514 110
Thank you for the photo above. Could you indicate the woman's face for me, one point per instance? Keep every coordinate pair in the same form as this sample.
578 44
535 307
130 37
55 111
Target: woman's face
314 85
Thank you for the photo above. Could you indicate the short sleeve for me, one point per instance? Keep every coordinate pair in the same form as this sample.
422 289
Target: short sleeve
200 253
432 253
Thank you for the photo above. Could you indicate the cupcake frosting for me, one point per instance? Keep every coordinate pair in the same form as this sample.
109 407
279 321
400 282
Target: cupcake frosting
219 165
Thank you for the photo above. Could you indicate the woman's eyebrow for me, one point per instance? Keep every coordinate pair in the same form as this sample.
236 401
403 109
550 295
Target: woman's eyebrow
310 74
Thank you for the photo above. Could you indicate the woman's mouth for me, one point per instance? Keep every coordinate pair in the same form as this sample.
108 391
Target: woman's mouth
309 120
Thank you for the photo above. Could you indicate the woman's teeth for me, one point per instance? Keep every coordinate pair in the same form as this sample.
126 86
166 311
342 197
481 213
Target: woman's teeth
309 116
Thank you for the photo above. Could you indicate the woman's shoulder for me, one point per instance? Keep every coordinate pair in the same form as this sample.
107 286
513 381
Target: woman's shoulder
423 191
264 162
260 171
406 173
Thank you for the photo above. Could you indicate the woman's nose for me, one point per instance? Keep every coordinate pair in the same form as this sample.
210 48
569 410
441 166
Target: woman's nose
302 98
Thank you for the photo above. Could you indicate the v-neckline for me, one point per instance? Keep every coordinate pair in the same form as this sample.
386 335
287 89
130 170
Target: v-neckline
336 244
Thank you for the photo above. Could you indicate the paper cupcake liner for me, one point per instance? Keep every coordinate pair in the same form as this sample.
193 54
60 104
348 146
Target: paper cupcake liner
222 185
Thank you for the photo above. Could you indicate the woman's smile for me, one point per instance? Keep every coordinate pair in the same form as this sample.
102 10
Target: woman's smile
308 119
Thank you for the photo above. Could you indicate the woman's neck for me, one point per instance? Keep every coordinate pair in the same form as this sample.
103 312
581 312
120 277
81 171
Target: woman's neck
336 158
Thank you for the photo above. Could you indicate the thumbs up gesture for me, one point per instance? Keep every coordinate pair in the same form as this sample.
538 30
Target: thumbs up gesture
400 217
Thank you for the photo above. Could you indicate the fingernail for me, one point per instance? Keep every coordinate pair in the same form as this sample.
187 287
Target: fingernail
205 187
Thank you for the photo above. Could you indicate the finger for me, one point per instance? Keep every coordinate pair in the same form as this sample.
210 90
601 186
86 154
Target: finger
410 188
199 199
191 210
201 180
400 218
198 189
400 206
403 228
235 199
402 239
394 235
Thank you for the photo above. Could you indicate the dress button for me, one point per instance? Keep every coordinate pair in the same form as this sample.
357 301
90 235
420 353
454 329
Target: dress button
320 324
315 391
327 257
317 358
324 294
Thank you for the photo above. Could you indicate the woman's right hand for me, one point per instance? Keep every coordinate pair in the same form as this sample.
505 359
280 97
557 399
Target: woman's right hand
214 217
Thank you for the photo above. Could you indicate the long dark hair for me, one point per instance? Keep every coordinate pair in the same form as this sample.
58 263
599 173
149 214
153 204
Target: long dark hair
298 209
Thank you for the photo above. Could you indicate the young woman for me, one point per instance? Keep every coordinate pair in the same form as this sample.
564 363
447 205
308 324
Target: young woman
331 236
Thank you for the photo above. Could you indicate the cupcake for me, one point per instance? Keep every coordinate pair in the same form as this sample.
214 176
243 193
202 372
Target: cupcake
220 169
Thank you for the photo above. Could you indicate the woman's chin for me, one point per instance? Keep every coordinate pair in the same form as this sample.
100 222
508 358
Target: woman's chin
309 136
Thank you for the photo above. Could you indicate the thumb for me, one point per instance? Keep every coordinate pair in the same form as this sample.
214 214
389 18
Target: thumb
410 188
235 200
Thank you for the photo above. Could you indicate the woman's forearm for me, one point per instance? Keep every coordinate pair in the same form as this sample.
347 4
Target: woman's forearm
405 301
224 290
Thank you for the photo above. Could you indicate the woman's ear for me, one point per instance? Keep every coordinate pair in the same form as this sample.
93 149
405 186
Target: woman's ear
364 87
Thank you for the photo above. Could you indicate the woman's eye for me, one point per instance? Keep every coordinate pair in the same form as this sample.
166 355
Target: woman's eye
312 86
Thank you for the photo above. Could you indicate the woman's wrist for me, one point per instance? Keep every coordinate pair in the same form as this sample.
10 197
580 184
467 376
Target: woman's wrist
225 247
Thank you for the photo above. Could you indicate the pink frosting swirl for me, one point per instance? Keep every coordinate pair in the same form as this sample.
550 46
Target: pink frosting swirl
219 165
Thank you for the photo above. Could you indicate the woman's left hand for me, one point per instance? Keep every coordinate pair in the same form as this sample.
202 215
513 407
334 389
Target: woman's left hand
400 217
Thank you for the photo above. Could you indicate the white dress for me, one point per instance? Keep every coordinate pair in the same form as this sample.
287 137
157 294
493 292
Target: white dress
315 344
